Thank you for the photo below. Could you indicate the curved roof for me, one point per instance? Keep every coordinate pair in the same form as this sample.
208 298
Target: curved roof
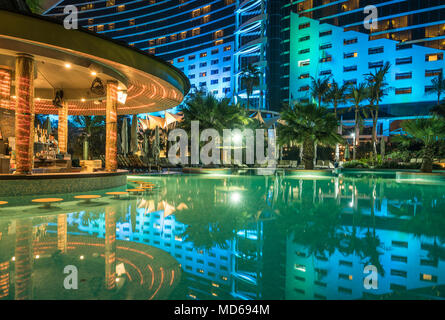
151 84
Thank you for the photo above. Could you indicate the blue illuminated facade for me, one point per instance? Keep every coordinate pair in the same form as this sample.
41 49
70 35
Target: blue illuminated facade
195 33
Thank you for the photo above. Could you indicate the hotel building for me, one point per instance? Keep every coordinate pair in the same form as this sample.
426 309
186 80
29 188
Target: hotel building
200 36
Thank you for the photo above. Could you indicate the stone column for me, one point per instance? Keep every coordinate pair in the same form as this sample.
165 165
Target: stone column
111 127
24 113
63 128
110 248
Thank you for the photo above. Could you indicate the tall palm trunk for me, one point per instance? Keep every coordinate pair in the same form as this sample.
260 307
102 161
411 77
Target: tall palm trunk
337 145
427 162
308 154
356 133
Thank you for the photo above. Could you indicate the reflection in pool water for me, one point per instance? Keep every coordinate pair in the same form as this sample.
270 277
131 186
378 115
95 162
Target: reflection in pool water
232 237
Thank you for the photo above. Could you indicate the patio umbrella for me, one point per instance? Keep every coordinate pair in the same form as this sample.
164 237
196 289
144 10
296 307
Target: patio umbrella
134 134
347 156
124 136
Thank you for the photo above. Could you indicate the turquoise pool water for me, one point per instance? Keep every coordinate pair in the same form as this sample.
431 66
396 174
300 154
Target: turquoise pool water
231 237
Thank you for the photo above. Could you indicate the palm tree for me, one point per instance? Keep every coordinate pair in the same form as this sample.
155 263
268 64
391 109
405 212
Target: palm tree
438 110
34 5
308 125
250 78
358 94
92 131
428 131
319 89
212 113
438 86
378 88
337 95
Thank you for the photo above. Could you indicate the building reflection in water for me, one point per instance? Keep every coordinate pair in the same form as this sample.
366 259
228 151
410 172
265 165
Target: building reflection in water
267 237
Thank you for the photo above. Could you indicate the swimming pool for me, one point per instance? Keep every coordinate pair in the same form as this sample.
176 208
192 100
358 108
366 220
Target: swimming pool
230 237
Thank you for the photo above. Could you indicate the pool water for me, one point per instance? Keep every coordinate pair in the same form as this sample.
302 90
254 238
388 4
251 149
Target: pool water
231 237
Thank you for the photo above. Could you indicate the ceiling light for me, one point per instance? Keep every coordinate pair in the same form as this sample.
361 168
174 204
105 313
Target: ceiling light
68 65
93 73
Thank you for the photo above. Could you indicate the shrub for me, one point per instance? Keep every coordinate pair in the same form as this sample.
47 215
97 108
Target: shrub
355 164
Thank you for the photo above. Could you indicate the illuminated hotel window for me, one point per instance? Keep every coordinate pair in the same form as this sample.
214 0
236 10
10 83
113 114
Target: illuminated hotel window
304 25
350 68
228 2
206 19
325 33
429 89
192 57
406 60
152 1
162 41
402 46
206 9
183 35
404 90
100 27
404 75
131 22
399 258
203 54
375 50
428 277
433 73
375 64
173 37
120 8
219 42
219 34
151 50
350 41
180 59
303 63
196 31
304 76
350 55
203 74
110 3
151 42
90 21
196 13
91 28
111 26
434 57
326 59
227 48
